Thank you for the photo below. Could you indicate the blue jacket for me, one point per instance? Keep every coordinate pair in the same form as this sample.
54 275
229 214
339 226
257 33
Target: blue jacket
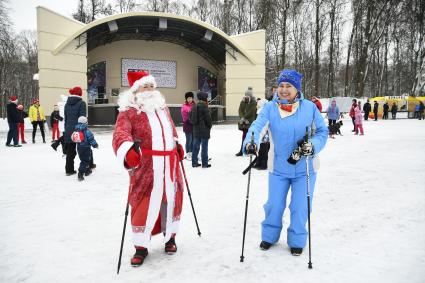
88 136
74 108
285 132
333 113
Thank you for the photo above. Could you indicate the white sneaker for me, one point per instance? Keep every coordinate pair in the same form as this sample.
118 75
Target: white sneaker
189 156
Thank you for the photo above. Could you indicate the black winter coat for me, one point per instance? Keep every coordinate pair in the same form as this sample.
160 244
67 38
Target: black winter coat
55 117
12 113
386 108
200 118
22 115
375 107
367 107
74 108
394 108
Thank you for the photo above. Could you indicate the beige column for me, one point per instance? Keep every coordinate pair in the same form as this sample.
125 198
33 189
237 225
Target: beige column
60 72
241 73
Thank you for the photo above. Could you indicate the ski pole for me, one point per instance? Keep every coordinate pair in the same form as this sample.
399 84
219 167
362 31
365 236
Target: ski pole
123 233
310 264
137 149
251 164
190 196
247 199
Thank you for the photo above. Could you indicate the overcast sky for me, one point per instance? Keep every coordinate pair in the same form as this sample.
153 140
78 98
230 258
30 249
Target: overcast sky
23 12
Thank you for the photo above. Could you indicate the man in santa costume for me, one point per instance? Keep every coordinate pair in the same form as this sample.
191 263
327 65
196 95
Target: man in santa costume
145 143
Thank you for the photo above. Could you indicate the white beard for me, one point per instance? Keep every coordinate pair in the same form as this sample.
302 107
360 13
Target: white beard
147 101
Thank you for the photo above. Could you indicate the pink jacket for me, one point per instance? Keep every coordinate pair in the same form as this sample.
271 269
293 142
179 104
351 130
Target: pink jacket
358 117
187 126
186 107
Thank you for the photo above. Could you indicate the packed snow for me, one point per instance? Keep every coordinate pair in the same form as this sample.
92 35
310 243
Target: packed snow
368 220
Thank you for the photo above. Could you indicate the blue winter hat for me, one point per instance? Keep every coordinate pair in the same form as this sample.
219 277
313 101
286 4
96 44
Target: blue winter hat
292 77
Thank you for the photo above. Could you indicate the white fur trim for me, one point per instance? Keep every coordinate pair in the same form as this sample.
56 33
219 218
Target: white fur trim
141 82
168 130
170 194
147 101
125 101
150 101
148 80
122 151
143 239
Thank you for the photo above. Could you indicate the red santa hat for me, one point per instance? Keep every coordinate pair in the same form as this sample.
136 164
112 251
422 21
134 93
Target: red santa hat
13 99
76 91
138 79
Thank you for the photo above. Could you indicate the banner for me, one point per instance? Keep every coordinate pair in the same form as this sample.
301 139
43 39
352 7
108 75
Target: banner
96 81
207 82
165 72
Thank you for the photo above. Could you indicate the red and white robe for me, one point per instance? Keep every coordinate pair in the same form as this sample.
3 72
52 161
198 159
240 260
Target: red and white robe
156 187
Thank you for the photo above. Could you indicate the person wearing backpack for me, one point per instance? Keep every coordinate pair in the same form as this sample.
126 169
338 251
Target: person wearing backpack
84 139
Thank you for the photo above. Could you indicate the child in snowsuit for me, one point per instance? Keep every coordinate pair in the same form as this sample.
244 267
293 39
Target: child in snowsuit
358 120
54 122
84 139
21 127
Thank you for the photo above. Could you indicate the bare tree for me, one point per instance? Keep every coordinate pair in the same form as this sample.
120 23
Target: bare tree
201 9
335 7
125 6
283 8
317 49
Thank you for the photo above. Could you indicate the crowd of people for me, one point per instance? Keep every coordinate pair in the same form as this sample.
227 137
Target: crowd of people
75 137
197 124
285 131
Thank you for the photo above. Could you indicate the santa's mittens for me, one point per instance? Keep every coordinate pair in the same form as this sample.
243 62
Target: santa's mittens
180 151
132 158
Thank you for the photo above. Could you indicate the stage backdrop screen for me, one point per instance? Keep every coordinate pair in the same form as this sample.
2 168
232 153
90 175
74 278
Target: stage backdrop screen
207 82
96 81
165 72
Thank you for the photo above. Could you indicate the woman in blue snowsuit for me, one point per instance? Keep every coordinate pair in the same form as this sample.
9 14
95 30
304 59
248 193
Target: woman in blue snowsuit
286 118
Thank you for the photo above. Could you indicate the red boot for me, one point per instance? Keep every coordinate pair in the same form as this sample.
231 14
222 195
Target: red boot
139 256
170 246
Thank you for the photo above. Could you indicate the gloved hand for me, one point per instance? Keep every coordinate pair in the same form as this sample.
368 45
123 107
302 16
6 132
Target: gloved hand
132 158
295 156
180 151
306 148
251 148
266 138
243 121
96 146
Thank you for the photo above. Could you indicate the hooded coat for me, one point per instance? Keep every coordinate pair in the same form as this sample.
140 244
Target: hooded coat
74 108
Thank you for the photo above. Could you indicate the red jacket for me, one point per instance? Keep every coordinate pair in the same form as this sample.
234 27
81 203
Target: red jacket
352 112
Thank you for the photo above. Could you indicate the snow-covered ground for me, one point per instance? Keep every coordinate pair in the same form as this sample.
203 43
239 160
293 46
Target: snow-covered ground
368 223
